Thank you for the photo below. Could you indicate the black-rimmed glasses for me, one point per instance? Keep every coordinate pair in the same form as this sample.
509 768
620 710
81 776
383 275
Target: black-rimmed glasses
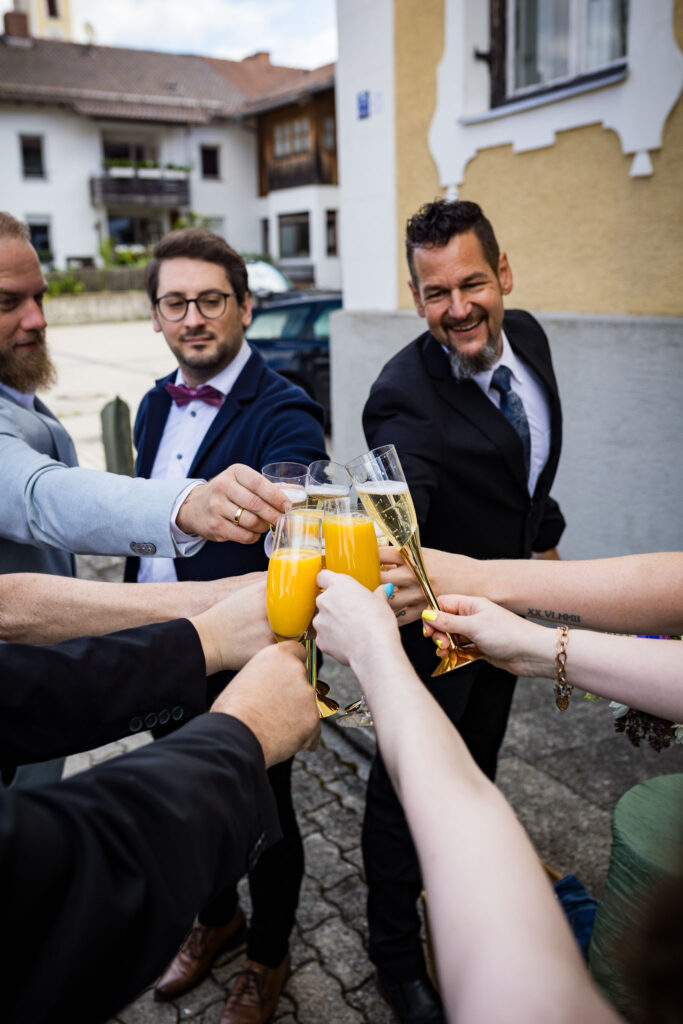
210 304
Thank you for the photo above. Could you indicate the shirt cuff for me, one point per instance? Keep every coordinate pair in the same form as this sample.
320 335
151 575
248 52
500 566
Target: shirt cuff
184 543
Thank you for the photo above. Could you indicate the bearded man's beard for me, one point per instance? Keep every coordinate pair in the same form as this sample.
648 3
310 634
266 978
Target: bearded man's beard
28 371
463 366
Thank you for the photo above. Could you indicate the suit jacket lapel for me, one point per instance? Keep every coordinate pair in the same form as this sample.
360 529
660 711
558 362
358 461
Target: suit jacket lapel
530 352
158 406
470 401
64 446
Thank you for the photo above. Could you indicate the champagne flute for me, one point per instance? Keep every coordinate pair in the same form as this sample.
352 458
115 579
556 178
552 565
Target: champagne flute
291 589
290 477
326 480
381 485
351 548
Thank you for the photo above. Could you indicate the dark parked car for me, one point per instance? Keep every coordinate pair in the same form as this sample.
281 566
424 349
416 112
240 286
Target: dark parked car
293 336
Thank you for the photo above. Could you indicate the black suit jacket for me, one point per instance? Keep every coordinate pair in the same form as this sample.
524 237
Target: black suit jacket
462 459
79 694
101 875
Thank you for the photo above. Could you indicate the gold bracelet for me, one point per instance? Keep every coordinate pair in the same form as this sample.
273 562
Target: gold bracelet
563 689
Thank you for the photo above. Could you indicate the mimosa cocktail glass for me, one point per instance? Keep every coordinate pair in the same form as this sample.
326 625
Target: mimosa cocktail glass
292 588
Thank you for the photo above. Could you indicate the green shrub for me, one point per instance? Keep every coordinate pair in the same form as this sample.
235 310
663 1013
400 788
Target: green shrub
64 284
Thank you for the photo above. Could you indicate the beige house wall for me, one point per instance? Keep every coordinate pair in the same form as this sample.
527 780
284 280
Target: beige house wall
581 234
418 48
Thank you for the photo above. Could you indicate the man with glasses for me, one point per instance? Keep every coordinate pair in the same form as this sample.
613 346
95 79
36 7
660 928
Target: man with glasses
223 405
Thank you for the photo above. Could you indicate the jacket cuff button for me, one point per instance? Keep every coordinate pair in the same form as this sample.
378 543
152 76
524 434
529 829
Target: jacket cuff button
135 724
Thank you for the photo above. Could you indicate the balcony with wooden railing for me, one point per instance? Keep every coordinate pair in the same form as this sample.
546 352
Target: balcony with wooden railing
167 190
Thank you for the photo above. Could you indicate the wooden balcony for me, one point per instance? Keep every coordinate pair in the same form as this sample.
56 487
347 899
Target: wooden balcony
302 169
166 191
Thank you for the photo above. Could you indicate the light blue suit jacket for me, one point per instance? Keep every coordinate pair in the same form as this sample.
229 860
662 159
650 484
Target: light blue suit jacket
50 507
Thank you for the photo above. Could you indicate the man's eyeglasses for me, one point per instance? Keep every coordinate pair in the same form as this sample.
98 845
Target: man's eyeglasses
210 305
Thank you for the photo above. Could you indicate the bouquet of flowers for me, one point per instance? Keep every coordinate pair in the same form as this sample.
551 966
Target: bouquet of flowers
640 725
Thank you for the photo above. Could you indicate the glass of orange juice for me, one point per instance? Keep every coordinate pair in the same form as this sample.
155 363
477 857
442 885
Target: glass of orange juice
351 544
351 548
291 588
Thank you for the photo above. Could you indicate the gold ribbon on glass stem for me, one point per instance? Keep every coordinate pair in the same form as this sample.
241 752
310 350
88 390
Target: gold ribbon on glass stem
457 655
326 705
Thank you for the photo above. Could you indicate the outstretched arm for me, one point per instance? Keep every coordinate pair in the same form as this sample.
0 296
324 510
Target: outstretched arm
643 673
36 608
99 854
629 594
504 952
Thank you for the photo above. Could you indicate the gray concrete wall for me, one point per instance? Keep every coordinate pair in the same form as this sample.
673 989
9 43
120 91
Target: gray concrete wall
619 482
96 307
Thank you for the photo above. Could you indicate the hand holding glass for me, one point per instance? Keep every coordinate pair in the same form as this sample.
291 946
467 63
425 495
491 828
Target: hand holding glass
381 485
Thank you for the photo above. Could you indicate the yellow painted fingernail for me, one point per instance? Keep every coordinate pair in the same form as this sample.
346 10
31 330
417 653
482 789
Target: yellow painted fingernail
439 643
424 632
429 614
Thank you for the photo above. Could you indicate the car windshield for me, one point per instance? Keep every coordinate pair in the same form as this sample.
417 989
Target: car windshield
263 277
287 322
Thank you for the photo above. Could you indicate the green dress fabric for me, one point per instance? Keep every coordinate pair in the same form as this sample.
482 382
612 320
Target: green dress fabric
647 848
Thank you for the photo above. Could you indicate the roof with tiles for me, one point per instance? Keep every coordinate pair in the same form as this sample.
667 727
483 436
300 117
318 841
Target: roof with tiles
112 82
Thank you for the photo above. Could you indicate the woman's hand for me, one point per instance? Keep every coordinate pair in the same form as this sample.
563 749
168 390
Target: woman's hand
351 619
445 570
505 639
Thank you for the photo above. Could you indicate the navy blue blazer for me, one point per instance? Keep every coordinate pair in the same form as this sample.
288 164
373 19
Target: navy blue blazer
264 418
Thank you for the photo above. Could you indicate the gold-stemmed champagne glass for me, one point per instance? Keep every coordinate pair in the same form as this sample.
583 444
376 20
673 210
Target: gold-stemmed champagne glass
381 485
324 479
351 548
292 588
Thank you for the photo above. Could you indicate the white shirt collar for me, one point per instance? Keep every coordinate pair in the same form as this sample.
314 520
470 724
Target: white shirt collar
507 358
225 380
25 398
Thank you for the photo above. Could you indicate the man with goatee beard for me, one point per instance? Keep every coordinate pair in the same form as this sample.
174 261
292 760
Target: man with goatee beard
49 507
473 409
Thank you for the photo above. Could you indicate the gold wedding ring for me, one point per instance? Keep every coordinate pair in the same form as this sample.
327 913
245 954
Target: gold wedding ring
238 512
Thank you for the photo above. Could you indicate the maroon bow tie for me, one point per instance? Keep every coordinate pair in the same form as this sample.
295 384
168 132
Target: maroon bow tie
183 395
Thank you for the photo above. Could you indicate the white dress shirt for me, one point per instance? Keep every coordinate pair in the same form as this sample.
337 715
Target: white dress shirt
525 383
183 433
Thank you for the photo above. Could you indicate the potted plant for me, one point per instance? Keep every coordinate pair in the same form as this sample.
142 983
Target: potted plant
177 170
118 167
148 169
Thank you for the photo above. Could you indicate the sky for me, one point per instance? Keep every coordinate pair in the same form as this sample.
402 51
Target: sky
298 33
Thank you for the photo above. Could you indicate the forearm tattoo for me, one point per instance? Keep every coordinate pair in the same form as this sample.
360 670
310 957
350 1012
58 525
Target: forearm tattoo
552 616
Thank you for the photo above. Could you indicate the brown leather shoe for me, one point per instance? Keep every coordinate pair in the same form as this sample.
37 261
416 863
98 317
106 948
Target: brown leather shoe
193 960
254 995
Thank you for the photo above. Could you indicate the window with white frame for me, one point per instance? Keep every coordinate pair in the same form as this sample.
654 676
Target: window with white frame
539 45
553 41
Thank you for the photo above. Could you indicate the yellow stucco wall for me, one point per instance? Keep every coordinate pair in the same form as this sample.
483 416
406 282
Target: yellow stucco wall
582 236
418 48
42 26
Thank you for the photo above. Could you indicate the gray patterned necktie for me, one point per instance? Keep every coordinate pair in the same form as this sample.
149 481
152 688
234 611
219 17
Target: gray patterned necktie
512 408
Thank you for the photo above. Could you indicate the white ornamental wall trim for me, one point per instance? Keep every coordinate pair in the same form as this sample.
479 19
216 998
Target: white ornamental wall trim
634 103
